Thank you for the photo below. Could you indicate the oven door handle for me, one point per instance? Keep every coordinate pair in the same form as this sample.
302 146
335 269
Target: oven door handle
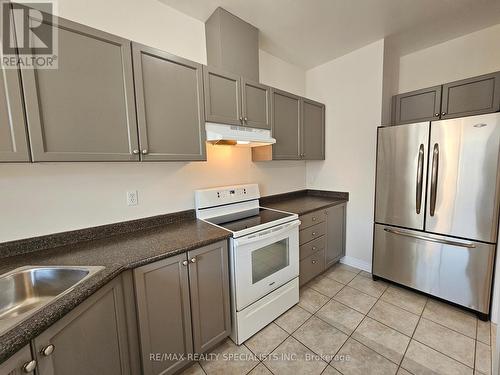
271 232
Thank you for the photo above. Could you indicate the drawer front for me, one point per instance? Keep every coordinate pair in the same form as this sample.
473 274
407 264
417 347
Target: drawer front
313 218
311 233
311 266
312 246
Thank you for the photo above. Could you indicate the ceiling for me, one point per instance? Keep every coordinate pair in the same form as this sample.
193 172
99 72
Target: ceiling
311 32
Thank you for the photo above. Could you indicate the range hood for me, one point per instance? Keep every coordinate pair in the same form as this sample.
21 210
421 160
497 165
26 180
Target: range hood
222 134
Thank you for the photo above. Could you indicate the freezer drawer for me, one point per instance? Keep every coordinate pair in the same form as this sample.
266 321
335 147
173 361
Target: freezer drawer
401 170
458 271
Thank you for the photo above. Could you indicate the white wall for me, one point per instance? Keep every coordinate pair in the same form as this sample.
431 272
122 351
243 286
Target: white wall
144 21
351 88
52 197
278 73
468 56
45 198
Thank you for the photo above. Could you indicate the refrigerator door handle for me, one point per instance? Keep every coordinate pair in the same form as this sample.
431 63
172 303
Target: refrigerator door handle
431 239
434 178
420 176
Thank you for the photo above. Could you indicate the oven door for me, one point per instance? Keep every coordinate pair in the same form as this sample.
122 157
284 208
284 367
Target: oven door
264 261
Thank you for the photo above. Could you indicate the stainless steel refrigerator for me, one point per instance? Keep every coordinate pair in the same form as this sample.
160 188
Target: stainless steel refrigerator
436 207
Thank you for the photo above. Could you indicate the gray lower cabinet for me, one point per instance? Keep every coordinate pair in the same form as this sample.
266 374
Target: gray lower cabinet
322 241
473 96
256 102
92 339
170 108
84 110
335 234
164 314
13 138
209 290
286 125
20 363
417 106
313 130
222 96
182 307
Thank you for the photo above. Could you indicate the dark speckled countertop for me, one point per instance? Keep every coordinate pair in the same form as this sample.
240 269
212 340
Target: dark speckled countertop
124 246
304 201
116 253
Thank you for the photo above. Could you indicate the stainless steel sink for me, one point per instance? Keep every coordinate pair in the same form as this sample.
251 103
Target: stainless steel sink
25 290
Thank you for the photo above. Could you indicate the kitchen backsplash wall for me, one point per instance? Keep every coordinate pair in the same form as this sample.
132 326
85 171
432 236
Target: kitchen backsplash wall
46 198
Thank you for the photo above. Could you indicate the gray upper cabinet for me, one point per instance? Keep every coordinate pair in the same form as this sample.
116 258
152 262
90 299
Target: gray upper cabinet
163 312
20 363
222 96
335 234
467 97
232 44
286 110
256 103
417 106
84 110
92 339
13 137
209 290
471 96
313 130
170 108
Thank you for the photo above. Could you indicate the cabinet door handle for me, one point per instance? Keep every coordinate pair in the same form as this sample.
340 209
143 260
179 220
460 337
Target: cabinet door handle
144 151
135 152
436 114
443 113
313 218
29 366
47 350
314 248
313 233
241 119
314 261
245 119
193 260
185 262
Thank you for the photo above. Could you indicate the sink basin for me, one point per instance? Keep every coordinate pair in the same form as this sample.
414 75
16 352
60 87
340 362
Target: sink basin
25 290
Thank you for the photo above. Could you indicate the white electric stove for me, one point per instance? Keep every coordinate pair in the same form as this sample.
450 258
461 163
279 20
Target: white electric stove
263 255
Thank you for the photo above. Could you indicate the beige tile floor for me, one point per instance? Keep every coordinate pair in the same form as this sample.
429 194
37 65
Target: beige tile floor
346 323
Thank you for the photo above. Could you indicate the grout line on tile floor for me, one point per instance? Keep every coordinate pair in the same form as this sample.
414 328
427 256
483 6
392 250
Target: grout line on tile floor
451 329
365 315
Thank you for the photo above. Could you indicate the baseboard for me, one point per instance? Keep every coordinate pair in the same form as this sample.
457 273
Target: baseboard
357 263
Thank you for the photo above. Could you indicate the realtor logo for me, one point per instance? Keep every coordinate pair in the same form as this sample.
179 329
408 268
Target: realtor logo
28 35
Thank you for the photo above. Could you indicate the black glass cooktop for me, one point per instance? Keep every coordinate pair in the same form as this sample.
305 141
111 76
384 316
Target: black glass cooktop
247 219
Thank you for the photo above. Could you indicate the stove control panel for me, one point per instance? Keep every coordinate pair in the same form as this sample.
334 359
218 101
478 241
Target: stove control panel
225 195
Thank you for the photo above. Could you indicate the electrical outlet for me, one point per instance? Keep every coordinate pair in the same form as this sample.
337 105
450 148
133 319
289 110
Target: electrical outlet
132 198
